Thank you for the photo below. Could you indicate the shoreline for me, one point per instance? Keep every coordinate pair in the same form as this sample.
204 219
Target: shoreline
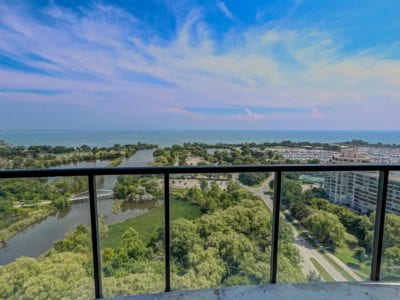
9 232
211 136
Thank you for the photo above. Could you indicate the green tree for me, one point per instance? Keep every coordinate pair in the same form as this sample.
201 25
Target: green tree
300 210
314 277
326 228
203 185
291 192
151 185
392 231
252 178
133 244
195 195
391 263
184 238
360 254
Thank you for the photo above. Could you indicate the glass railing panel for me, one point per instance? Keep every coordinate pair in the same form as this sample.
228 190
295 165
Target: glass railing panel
131 214
45 250
327 226
390 268
220 230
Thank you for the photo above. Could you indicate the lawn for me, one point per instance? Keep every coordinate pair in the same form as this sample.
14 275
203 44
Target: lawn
338 267
147 223
346 256
325 275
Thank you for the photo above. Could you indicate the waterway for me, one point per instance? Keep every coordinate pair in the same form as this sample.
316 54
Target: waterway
73 138
38 238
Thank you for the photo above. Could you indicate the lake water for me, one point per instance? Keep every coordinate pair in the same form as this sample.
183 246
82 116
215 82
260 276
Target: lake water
38 238
169 137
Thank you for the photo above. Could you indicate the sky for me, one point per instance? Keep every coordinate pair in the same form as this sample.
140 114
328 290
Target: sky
212 64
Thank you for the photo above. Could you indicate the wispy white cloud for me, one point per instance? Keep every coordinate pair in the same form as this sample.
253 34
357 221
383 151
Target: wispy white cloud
225 10
253 116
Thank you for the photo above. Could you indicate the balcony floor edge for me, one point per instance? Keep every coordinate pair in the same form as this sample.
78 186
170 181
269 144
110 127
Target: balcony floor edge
298 291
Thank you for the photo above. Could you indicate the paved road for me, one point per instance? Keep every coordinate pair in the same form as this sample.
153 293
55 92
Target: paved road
306 250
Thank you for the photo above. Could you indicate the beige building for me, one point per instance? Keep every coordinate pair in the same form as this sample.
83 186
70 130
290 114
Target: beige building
359 190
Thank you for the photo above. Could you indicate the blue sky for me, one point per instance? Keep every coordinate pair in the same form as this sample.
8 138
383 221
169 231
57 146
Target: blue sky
157 64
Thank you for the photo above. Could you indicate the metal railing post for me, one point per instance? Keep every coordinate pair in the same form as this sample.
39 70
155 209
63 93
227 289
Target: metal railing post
95 237
275 226
167 234
379 225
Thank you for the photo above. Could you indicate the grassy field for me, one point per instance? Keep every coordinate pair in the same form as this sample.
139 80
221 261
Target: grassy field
147 223
346 256
325 275
338 267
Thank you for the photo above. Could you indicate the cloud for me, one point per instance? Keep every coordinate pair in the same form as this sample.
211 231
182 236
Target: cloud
225 10
252 116
106 58
316 113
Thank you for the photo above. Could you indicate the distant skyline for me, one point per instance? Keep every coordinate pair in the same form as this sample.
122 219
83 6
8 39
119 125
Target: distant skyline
213 64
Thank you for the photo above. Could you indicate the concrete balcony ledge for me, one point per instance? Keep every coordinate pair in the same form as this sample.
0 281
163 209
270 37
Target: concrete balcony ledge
306 291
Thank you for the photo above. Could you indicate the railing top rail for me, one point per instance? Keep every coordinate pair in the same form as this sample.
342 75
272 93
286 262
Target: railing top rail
195 170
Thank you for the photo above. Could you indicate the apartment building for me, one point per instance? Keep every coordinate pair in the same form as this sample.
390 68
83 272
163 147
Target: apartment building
358 190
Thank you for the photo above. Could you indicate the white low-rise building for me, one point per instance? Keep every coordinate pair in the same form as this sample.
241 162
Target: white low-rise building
304 155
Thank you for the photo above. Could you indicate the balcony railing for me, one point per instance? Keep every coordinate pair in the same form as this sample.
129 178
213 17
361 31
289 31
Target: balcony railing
91 174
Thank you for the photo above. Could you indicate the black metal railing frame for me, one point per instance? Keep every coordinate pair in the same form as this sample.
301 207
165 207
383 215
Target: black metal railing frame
91 174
